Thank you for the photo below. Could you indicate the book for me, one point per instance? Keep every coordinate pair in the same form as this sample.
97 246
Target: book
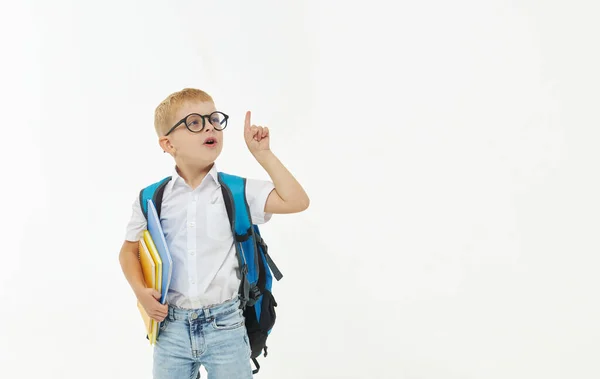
149 272
156 232
149 241
157 266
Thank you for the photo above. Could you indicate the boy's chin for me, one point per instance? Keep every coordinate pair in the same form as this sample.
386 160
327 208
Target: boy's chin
208 157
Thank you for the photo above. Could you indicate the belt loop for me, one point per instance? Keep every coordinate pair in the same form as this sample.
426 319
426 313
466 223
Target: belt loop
206 313
171 313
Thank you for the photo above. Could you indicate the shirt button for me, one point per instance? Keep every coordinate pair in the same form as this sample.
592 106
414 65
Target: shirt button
192 224
192 252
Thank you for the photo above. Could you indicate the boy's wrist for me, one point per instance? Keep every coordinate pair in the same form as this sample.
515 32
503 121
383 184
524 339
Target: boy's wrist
263 155
137 290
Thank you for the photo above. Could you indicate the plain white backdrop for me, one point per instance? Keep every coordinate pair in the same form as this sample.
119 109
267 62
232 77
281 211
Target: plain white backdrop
449 150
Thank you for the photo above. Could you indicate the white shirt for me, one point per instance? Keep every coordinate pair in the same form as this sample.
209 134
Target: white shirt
199 237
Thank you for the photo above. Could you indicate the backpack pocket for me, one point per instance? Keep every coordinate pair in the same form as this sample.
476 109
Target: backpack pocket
258 330
267 314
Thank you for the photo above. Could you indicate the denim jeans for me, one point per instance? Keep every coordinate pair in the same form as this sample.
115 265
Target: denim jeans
214 337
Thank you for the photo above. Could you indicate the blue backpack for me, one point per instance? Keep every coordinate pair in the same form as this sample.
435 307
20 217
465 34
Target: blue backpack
257 269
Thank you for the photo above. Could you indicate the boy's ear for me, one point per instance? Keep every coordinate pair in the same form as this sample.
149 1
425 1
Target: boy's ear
165 144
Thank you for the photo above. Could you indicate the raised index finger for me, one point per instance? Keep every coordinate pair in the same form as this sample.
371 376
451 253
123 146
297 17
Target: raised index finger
247 123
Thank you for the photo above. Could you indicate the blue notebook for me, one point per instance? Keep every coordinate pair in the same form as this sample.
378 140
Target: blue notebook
158 236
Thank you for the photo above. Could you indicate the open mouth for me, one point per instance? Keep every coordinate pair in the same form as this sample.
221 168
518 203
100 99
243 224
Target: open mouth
210 141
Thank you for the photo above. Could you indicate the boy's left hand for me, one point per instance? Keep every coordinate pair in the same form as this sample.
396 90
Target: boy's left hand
257 137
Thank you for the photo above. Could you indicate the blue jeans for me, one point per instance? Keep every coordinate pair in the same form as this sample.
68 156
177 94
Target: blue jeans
214 337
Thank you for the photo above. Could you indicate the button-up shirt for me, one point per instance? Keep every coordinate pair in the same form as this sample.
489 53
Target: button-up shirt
200 239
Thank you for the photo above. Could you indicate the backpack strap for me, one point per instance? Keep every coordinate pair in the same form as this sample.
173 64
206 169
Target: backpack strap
276 272
255 276
234 196
154 192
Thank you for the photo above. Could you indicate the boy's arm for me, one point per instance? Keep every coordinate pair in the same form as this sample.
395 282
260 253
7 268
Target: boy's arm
130 264
132 269
288 196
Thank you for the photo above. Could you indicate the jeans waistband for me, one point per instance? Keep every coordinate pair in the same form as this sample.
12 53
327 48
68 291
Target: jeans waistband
205 313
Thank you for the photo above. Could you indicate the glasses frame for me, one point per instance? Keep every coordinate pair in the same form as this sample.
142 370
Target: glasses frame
203 117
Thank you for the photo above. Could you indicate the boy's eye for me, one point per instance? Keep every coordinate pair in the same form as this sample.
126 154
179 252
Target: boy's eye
217 119
194 122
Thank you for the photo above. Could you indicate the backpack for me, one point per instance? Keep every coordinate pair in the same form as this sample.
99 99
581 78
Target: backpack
257 269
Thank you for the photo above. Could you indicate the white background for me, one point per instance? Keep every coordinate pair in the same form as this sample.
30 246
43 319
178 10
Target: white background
449 150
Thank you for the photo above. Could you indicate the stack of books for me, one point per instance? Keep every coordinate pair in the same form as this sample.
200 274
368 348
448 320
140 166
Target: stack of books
157 267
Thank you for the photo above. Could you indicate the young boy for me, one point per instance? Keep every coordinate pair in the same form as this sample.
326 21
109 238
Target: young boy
203 323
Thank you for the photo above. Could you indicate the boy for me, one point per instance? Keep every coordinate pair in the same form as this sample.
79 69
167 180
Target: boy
203 323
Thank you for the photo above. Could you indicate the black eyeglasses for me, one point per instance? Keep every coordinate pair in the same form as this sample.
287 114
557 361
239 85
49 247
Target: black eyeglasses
195 122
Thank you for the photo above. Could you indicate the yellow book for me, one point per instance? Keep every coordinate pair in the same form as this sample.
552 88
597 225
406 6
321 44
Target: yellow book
147 238
149 272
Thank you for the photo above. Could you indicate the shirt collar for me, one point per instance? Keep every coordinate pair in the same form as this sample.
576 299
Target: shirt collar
213 173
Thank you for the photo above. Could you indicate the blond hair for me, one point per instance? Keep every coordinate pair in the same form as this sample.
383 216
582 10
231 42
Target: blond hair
170 105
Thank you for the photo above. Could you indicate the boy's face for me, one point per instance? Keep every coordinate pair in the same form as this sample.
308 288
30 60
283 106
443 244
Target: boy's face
197 148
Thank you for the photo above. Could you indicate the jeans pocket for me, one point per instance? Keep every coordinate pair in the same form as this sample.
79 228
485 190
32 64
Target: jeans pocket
228 321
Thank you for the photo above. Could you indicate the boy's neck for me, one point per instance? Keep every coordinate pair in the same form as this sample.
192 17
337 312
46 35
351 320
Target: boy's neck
193 175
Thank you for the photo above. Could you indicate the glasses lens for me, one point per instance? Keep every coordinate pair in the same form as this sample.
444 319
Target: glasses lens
194 122
218 120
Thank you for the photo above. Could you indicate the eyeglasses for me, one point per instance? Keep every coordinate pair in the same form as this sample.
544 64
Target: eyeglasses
195 122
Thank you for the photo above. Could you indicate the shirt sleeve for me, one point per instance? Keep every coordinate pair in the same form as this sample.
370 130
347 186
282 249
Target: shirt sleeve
257 192
137 223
